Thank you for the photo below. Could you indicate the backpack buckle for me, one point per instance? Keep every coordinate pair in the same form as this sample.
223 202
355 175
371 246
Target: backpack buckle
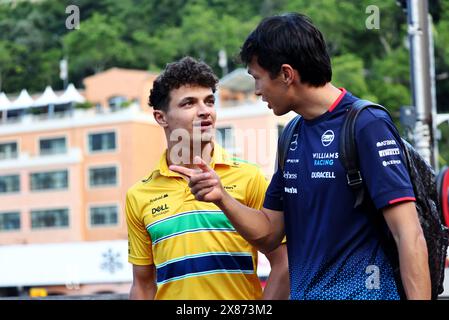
354 178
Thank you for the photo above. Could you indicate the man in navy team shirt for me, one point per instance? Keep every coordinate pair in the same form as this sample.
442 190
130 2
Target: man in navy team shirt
334 250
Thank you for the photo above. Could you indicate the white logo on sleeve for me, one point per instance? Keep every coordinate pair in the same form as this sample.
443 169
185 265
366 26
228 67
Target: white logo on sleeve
385 143
389 152
290 190
390 162
327 138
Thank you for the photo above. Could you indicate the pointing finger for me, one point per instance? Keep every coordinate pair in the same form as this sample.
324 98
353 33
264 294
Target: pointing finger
186 172
201 164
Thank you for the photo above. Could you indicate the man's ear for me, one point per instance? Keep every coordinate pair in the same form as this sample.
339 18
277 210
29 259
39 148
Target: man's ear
289 75
160 118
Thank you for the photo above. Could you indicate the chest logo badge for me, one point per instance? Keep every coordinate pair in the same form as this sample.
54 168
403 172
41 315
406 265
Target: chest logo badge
327 138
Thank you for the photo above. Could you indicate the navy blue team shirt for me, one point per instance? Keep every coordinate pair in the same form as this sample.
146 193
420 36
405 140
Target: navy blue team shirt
334 250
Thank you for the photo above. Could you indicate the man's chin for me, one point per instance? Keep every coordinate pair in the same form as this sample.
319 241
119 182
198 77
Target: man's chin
280 111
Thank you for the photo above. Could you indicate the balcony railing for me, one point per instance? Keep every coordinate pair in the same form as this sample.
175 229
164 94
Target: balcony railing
66 114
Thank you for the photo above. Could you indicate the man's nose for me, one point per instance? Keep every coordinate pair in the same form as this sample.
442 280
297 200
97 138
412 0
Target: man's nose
203 110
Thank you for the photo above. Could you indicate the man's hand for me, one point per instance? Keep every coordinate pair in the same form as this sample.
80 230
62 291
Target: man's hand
264 228
204 182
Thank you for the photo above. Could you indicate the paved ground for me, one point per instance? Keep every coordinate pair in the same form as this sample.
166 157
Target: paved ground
443 296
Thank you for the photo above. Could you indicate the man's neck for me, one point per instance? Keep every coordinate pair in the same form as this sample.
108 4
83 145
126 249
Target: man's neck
316 101
205 153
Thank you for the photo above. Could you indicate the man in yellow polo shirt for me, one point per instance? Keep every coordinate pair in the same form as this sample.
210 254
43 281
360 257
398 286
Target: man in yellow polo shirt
182 248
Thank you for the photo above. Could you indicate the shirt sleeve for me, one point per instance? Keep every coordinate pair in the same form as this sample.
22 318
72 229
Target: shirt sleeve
139 242
259 189
382 163
256 191
274 194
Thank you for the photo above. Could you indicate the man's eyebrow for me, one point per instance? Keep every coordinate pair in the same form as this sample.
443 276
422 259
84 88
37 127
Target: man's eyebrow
185 99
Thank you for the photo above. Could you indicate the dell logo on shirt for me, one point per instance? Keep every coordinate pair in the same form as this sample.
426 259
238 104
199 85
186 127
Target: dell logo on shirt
159 209
327 138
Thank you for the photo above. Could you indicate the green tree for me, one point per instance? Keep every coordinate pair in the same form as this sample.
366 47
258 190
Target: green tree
97 45
349 72
5 60
203 33
390 79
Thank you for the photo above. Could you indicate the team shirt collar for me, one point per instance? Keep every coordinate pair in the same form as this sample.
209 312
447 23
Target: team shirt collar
340 97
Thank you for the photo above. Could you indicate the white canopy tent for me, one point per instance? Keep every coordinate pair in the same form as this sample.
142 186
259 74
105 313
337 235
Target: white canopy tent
4 101
239 80
24 101
71 95
47 98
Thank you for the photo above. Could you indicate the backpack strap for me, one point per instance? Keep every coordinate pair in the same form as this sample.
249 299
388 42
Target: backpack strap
284 141
348 148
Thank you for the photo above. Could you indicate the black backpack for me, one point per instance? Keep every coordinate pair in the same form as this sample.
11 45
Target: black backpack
422 177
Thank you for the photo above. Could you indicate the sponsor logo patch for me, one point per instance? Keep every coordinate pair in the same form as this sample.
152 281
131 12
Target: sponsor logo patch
389 152
323 175
327 138
323 162
291 190
159 198
290 176
386 143
325 155
390 162
162 209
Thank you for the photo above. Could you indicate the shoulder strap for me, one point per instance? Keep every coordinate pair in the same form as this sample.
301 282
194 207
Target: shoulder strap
284 141
348 148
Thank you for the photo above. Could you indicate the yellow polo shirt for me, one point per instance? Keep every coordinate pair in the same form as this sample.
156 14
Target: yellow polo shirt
195 249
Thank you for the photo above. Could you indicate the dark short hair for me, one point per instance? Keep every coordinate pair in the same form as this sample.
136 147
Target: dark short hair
186 71
292 39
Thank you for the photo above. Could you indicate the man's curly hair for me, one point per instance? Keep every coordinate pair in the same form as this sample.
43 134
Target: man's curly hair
186 71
